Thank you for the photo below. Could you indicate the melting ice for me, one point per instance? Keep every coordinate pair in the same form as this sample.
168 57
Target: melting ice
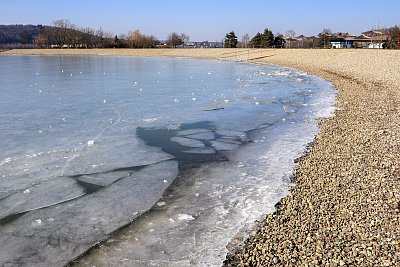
90 144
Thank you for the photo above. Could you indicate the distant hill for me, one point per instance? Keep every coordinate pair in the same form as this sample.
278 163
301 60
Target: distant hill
39 36
19 34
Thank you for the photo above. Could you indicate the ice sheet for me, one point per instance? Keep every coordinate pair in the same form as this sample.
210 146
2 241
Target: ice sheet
111 125
220 198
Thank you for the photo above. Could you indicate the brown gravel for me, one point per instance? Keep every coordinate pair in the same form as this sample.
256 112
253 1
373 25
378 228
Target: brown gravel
344 208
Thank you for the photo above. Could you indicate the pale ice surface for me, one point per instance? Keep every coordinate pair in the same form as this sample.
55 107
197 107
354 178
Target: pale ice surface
85 154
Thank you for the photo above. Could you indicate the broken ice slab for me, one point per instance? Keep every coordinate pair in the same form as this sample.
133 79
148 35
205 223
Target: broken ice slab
23 172
45 194
202 136
242 136
187 142
224 145
192 131
55 235
204 150
103 179
231 133
106 156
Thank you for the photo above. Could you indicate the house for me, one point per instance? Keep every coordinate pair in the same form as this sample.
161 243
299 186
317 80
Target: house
368 39
341 40
361 41
301 41
204 44
377 39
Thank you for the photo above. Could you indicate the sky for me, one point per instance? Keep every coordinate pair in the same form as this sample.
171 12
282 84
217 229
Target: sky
207 19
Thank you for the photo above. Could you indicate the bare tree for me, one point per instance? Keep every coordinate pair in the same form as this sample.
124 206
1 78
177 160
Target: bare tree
137 40
185 38
76 36
150 41
291 33
41 40
107 40
58 34
326 31
245 40
88 37
63 32
174 40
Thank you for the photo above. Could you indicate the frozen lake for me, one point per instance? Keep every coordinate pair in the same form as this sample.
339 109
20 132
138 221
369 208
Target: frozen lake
90 144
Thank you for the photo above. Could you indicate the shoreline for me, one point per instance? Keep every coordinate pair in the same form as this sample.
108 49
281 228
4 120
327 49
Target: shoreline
344 207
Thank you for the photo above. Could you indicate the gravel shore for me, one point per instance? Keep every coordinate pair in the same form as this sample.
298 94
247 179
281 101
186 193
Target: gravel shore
344 209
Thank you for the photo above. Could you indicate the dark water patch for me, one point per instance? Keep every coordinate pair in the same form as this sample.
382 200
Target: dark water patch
89 187
214 109
208 125
11 218
95 181
195 143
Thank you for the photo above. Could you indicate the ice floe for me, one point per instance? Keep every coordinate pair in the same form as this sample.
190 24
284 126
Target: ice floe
187 142
42 195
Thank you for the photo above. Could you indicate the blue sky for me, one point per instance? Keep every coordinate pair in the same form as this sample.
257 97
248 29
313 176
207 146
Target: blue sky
207 19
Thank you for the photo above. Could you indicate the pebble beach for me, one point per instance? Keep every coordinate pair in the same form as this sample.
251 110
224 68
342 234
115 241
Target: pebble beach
344 207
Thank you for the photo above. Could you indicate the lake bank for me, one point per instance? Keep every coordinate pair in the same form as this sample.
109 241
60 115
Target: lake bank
344 207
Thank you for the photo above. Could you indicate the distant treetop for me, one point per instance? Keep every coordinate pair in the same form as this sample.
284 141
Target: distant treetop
230 40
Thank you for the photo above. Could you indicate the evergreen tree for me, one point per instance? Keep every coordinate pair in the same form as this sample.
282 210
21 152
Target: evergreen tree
256 41
116 42
230 40
263 40
267 39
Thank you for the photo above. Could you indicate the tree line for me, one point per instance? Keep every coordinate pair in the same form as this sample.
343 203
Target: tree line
64 34
260 40
268 40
